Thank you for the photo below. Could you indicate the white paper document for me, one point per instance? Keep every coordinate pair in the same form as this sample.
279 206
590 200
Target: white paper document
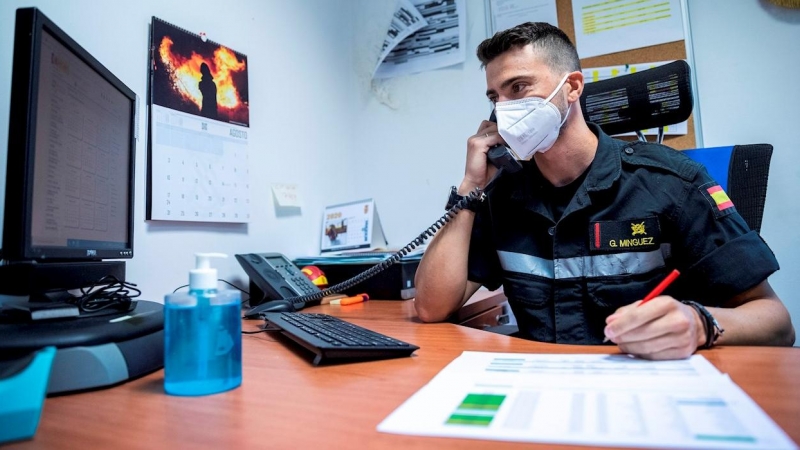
610 26
510 13
605 400
406 20
439 43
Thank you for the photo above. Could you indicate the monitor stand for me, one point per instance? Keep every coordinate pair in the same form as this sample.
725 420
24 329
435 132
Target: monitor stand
92 352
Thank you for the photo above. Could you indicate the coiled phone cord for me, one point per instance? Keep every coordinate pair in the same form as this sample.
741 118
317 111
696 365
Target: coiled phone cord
476 195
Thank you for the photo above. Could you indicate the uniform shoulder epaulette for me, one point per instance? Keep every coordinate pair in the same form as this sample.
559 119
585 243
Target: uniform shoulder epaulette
651 154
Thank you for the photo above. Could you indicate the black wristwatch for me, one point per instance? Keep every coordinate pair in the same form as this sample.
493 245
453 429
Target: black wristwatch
454 198
712 328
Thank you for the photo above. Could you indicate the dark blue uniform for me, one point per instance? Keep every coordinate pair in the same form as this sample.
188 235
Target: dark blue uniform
640 211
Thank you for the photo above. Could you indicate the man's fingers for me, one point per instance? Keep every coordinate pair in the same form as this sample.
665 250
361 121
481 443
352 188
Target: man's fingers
632 316
485 127
660 329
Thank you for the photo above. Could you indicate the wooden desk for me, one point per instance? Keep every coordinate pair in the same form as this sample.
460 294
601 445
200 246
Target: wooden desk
284 402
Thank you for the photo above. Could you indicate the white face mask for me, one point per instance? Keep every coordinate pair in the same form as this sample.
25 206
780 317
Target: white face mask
530 125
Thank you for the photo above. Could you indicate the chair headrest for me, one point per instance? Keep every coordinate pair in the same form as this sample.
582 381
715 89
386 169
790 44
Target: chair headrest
648 99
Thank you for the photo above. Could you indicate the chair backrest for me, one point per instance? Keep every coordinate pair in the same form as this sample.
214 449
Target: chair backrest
743 172
651 98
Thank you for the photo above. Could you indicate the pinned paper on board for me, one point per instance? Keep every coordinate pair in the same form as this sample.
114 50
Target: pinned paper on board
351 226
603 27
510 13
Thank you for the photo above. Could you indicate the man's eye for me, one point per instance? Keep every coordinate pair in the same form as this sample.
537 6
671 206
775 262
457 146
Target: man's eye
517 88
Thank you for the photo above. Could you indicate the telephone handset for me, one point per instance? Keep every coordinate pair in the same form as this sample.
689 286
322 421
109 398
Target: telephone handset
275 276
288 289
500 156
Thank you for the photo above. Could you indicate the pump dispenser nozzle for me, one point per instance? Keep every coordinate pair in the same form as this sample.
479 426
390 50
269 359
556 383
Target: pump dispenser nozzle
203 276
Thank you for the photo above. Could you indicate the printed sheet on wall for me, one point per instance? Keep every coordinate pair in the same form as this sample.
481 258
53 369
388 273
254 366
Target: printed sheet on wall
199 129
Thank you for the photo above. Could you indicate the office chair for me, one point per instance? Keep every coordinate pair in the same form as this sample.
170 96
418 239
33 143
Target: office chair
742 171
662 96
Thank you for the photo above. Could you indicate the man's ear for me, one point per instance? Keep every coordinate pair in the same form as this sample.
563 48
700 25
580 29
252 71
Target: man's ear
576 82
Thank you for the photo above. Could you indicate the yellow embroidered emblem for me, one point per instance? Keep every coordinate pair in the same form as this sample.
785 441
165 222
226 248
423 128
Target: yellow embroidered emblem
637 228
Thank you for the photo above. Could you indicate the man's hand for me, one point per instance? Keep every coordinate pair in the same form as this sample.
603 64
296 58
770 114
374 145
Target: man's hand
662 328
478 172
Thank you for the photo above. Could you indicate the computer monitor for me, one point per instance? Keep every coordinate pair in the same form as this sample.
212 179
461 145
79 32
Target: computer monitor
69 195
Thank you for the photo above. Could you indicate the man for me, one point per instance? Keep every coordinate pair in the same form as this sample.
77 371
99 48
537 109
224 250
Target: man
591 224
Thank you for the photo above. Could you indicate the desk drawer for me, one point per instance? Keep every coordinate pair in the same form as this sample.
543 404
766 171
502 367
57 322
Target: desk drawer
488 318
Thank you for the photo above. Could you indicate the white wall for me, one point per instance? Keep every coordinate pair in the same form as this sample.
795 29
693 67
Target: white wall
747 61
300 69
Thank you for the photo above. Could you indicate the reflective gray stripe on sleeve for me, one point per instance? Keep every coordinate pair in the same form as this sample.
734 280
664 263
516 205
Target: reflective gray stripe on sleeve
602 265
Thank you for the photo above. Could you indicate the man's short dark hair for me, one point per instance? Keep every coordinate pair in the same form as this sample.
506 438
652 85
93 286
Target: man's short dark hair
555 46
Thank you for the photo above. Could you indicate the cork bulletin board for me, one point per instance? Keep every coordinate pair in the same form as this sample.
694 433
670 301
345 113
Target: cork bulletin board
662 52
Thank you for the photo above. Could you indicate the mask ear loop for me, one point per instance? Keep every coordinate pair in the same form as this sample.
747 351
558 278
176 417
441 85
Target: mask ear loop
563 80
566 114
547 100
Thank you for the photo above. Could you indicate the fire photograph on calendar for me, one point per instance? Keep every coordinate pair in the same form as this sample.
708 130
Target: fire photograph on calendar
197 76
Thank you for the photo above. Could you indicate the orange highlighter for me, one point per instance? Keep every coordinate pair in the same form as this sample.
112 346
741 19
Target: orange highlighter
350 300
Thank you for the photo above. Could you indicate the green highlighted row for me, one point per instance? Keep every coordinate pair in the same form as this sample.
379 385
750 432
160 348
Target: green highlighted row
476 410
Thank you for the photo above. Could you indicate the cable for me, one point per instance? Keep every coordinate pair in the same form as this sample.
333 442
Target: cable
234 286
106 292
256 332
476 195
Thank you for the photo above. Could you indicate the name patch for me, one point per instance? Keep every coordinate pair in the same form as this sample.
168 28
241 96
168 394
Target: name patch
625 235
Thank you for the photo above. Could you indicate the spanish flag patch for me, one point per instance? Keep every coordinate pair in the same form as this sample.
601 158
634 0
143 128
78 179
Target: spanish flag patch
719 196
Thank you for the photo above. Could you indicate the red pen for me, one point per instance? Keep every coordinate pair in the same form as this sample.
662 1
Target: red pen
657 290
661 286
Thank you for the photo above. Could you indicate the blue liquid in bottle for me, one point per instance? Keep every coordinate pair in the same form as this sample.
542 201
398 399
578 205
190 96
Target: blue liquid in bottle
203 342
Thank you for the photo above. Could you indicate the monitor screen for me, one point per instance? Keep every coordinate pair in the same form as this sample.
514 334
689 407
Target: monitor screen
81 159
69 184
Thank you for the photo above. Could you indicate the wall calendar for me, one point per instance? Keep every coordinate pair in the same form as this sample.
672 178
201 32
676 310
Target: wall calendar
197 162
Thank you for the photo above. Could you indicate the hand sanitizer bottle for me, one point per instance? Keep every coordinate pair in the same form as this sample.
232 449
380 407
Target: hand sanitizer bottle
202 335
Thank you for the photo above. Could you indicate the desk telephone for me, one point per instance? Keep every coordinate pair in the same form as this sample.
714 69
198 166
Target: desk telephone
287 289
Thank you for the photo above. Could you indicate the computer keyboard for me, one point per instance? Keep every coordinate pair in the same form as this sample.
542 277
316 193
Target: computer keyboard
333 339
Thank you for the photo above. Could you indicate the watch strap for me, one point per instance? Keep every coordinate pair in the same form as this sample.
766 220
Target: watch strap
712 328
469 202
